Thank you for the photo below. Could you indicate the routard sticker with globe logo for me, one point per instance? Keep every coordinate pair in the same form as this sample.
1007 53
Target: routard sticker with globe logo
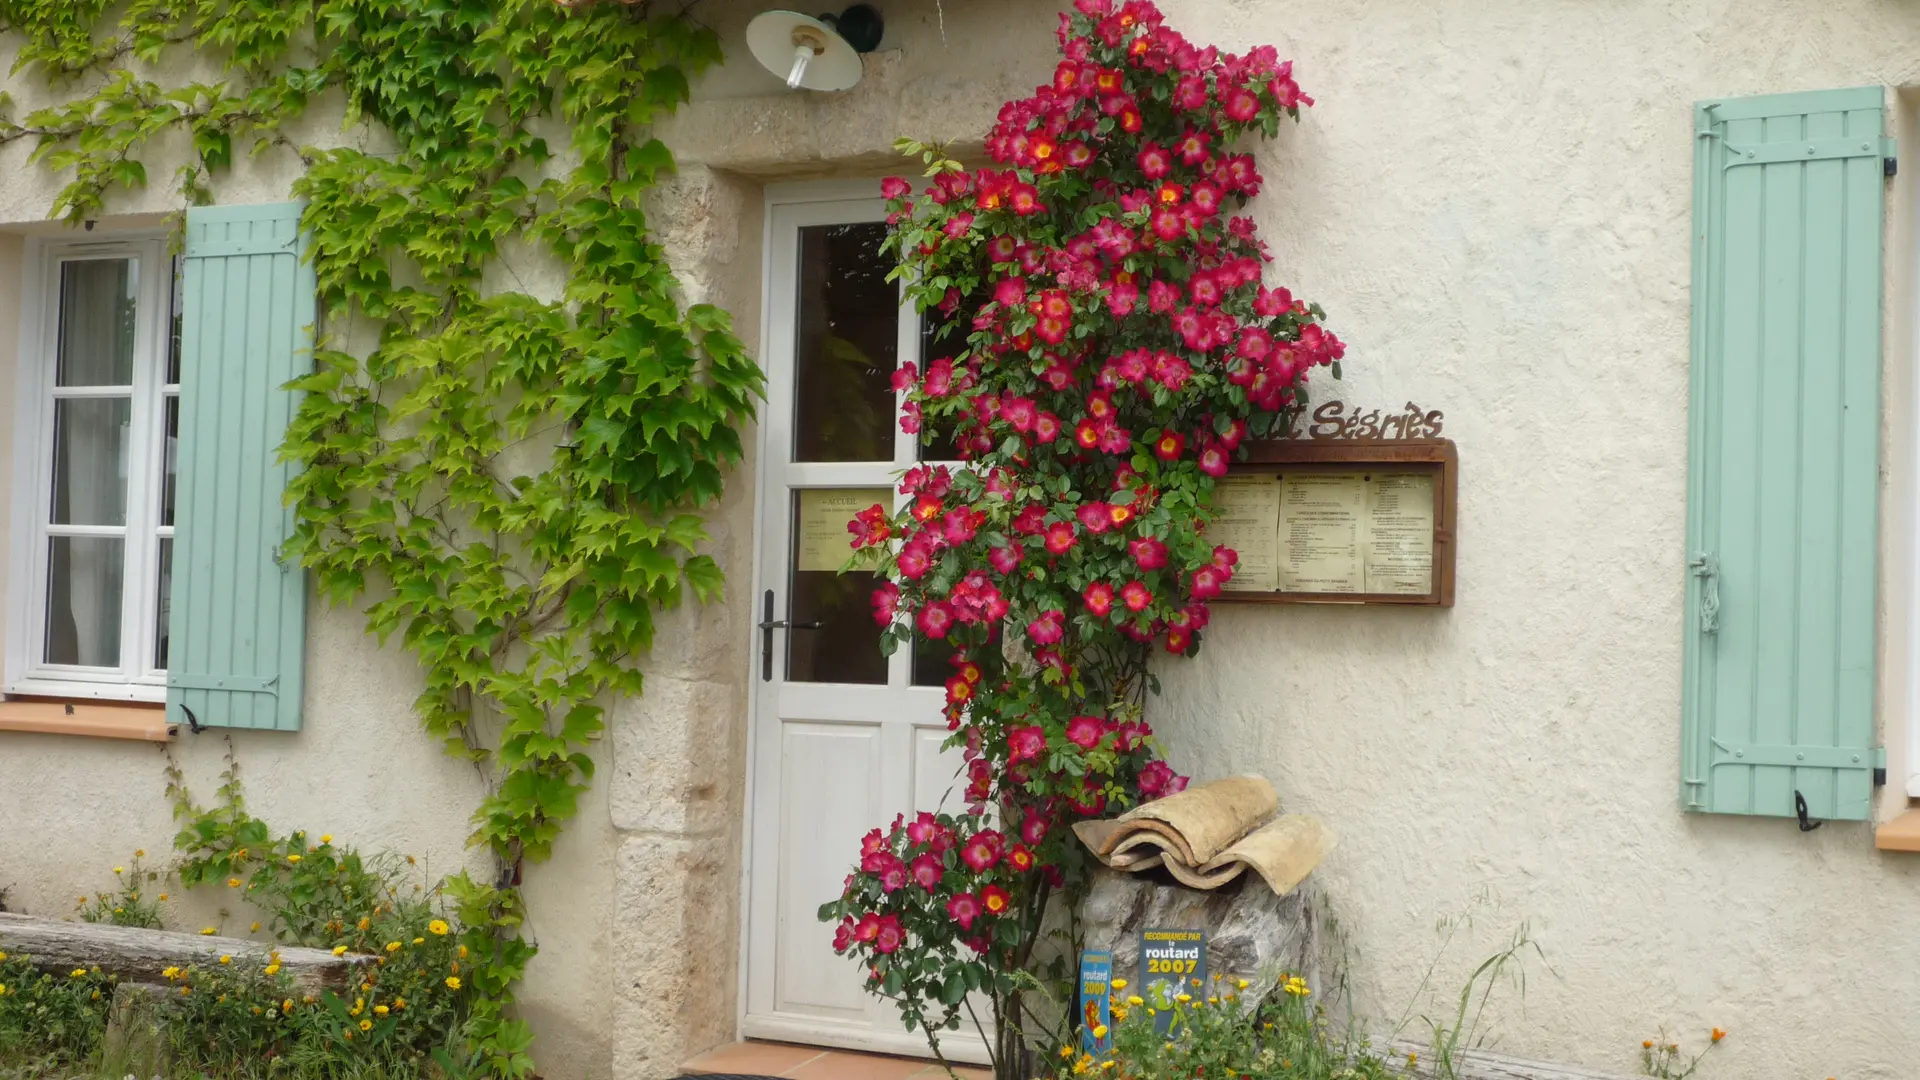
1172 962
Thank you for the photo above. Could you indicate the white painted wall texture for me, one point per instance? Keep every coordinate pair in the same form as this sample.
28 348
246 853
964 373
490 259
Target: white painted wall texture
1492 201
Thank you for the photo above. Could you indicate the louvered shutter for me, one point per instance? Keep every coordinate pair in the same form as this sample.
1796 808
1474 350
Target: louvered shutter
238 615
1783 485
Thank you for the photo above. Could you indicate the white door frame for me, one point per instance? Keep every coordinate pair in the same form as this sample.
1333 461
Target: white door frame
788 208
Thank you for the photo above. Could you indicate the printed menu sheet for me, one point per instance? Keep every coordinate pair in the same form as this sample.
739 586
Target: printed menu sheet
1329 533
1247 519
821 540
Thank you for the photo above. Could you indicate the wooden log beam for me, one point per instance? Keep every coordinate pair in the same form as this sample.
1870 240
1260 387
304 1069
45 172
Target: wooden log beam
139 956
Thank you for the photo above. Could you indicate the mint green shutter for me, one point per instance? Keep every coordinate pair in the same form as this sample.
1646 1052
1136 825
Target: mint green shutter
1783 481
238 616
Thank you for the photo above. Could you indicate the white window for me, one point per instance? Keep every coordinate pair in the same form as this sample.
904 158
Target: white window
98 413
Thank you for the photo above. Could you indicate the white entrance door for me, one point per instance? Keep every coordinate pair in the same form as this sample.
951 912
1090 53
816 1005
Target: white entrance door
843 738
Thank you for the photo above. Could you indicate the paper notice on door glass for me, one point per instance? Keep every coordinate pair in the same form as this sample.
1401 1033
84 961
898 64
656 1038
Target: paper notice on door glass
1400 534
1246 518
1323 533
821 540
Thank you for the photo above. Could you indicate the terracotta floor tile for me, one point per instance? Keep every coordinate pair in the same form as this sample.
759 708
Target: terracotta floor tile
755 1058
840 1065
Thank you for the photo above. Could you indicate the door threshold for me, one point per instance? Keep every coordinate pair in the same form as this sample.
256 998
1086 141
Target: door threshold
755 1060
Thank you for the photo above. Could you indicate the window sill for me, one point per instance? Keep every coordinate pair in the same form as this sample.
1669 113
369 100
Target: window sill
1900 834
141 723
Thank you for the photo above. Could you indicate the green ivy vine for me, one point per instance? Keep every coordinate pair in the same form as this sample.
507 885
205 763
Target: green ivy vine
511 482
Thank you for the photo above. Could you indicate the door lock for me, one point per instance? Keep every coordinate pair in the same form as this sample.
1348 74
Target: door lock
768 624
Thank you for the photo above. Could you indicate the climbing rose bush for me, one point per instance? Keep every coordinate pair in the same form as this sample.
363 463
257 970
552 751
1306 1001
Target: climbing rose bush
1120 349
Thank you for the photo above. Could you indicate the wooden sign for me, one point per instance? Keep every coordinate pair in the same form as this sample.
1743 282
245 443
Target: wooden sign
1341 521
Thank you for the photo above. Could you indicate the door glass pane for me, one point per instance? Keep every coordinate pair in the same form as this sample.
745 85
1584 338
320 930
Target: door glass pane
84 575
164 608
932 662
943 338
845 647
96 322
847 346
170 465
90 460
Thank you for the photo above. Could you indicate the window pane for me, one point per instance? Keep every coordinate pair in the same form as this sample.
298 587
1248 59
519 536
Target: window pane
941 337
166 590
170 467
176 306
845 648
96 322
90 460
84 575
847 346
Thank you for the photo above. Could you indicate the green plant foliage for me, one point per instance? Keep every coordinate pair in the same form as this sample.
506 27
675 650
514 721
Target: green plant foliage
513 482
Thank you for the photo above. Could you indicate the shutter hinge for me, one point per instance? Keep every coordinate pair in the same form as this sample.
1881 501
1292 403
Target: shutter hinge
1774 153
1879 766
1890 157
244 684
1865 758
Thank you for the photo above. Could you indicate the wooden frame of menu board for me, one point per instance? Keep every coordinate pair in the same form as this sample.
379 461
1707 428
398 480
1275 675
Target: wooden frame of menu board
1352 521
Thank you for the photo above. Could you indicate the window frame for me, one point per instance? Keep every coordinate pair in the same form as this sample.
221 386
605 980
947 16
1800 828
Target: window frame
136 678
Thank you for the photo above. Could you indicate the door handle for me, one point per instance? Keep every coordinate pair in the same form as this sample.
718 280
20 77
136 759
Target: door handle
768 624
1707 569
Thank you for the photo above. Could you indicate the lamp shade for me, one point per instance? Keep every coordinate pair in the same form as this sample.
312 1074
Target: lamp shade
804 51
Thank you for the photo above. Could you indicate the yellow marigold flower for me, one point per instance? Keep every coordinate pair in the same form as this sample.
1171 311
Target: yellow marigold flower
1135 999
119 869
1413 1058
1646 1044
163 896
208 931
169 972
3 957
185 990
393 946
119 911
419 941
293 858
271 969
1107 1064
379 1010
1183 997
326 838
364 922
453 982
1719 1034
79 973
1119 984
366 1025
437 926
3 989
254 929
139 853
1066 1052
226 959
1099 1031
339 950
399 1003
286 1006
233 883
1243 984
463 952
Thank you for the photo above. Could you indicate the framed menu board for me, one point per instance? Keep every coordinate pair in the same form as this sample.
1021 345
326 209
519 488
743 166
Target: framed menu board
1347 521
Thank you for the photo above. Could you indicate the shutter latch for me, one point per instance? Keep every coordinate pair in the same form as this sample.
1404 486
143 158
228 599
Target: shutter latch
1707 569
